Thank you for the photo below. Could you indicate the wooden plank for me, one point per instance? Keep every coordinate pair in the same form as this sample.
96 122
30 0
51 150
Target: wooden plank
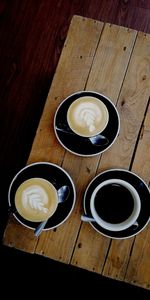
132 104
141 163
91 249
118 258
107 74
54 244
19 237
138 271
71 75
111 60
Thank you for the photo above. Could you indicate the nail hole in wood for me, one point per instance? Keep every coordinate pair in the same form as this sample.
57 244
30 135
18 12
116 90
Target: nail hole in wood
144 77
88 170
80 245
122 102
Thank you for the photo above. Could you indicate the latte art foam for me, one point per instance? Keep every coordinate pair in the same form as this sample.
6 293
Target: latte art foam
36 199
87 116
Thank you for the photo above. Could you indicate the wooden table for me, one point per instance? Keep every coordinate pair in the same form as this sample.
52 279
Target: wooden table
114 61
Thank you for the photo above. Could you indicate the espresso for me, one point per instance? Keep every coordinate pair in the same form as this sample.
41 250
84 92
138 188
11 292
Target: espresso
114 203
36 199
87 116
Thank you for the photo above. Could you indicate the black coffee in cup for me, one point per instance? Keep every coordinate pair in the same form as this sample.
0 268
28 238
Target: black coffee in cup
114 203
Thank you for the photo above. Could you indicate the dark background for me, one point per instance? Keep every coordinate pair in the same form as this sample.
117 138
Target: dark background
32 34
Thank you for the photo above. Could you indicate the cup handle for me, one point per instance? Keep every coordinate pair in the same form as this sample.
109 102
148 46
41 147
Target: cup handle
134 226
86 218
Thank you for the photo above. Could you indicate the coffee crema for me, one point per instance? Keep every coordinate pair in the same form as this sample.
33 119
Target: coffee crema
36 199
87 116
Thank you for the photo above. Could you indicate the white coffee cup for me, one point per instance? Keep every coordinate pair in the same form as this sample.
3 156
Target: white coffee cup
107 209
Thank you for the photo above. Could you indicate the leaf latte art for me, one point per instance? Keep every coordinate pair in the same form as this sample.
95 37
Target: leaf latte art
87 116
36 199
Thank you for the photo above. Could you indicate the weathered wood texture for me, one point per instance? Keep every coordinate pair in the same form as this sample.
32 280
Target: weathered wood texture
115 61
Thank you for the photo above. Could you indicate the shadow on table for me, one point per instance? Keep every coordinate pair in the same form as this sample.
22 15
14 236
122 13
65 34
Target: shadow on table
33 273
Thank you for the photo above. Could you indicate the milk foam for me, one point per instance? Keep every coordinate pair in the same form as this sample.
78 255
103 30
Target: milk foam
35 197
86 114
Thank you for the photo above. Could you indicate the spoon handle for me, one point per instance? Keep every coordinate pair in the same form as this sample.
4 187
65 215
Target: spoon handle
39 229
65 130
99 140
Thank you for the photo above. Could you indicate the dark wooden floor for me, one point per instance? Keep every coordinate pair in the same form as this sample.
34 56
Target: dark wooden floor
32 34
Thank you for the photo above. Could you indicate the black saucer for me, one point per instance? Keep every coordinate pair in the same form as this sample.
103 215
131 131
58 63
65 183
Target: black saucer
80 145
58 177
142 190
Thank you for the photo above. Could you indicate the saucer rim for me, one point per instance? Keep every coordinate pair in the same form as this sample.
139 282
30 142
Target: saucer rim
57 167
57 136
84 199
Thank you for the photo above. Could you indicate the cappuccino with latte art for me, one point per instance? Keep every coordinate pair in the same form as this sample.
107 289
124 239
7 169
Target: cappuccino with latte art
36 199
87 116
